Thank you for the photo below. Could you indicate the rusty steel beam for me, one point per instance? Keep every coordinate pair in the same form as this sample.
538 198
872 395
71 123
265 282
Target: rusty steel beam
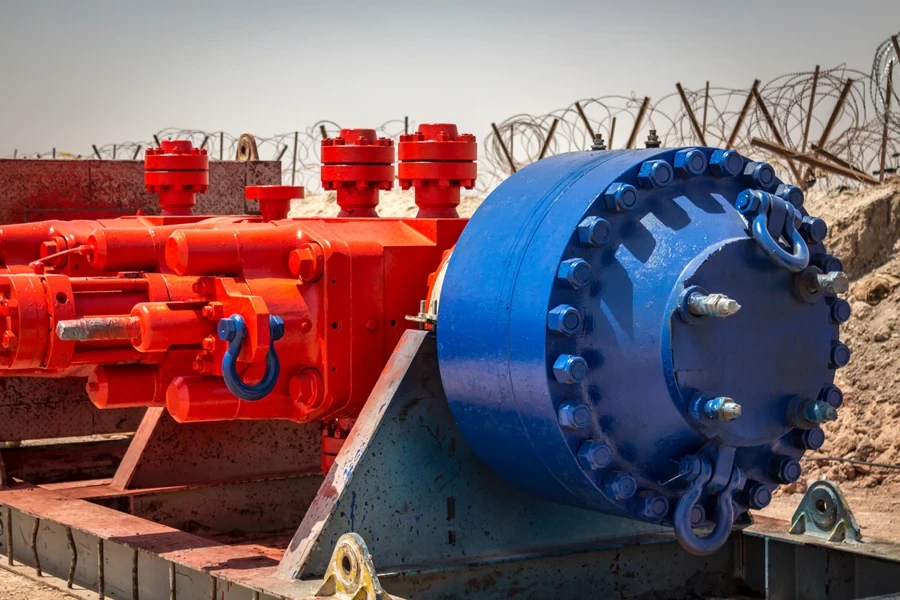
705 107
690 112
506 153
832 120
612 132
584 119
637 122
743 114
809 112
798 178
546 145
888 90
811 161
835 159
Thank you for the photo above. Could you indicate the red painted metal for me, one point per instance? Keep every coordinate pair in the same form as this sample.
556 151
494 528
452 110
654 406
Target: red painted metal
437 161
176 172
274 200
357 164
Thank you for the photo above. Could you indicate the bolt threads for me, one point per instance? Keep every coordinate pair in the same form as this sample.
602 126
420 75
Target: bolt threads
722 409
712 305
835 282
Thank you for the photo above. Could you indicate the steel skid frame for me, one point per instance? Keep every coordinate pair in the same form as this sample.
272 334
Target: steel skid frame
211 510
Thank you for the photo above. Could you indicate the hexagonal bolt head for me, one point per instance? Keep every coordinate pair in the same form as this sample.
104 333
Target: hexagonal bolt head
840 355
726 163
760 175
835 282
569 369
655 506
790 193
808 439
574 416
690 162
759 496
564 319
785 470
619 485
712 305
655 174
620 197
594 455
813 229
833 395
594 231
748 201
840 311
722 409
575 271
817 411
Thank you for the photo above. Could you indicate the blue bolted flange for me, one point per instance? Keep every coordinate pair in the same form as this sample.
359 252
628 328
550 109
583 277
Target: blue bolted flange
513 371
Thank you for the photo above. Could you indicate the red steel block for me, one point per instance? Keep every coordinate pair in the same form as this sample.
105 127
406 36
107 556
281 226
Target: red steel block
176 172
357 164
437 161
274 200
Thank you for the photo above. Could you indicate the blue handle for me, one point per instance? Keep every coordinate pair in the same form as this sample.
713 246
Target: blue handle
692 542
233 330
798 258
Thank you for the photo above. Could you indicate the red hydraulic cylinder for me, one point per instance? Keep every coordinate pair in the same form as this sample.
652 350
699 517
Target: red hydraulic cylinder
176 172
437 161
357 164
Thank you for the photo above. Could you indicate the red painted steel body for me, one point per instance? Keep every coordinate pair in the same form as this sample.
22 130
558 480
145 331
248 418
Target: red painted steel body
437 161
176 172
357 164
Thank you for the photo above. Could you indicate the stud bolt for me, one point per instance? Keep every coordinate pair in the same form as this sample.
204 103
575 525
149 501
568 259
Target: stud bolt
711 305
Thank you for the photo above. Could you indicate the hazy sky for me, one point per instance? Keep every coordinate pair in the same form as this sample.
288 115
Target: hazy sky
73 73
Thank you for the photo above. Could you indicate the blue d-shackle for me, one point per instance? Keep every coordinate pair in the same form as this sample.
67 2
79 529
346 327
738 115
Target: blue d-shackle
233 330
762 203
681 520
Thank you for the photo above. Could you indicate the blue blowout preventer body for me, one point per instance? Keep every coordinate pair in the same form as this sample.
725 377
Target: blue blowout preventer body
577 367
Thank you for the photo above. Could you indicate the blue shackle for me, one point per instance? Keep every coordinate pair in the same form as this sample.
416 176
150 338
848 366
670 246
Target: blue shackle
233 330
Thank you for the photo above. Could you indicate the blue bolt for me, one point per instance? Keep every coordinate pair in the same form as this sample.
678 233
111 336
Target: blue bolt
698 515
760 175
570 369
725 163
840 311
620 197
690 162
227 330
808 439
759 496
564 319
785 470
594 455
655 506
790 193
576 271
813 229
655 174
619 485
828 263
833 395
574 416
748 201
840 355
594 231
691 467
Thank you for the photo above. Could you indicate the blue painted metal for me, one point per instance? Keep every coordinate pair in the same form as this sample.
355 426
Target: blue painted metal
638 358
233 330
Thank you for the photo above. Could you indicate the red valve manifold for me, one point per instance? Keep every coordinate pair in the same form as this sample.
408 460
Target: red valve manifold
357 164
437 161
176 172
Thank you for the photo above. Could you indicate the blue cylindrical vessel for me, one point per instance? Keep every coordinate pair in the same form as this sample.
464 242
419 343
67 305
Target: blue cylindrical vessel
590 351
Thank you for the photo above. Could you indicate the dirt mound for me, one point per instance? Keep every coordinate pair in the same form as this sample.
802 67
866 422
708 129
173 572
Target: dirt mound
395 203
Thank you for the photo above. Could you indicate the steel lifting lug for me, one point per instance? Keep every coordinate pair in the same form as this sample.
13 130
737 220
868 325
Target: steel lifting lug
233 330
701 476
765 206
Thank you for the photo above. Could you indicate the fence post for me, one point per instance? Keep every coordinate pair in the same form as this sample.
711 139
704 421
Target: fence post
809 112
294 162
323 132
888 90
690 113
94 146
587 124
740 121
705 106
612 132
221 145
546 145
506 153
405 124
637 123
771 123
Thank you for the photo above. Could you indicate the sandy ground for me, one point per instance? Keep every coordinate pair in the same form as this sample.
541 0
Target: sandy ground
15 587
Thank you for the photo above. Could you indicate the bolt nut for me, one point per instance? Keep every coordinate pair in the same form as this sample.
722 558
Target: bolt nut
759 496
594 455
748 201
620 197
574 416
808 439
690 162
594 231
227 330
833 395
813 229
564 319
570 369
654 174
576 271
791 194
840 355
307 262
725 163
840 311
785 470
619 485
759 175
698 515
655 506
817 411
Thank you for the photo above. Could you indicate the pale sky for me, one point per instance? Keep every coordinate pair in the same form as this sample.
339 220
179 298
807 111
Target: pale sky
73 73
